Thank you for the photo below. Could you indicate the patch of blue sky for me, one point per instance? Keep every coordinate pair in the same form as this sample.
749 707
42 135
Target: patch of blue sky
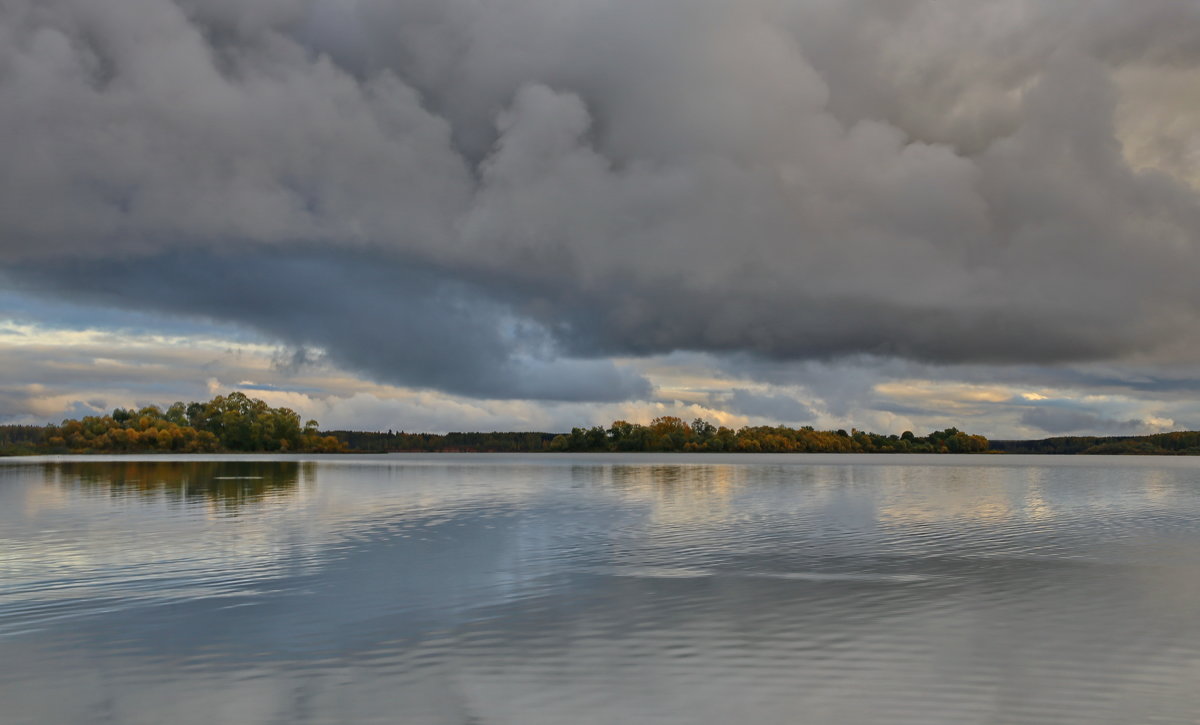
51 314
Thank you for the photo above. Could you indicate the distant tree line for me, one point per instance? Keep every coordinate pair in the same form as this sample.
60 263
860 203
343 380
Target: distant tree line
671 434
1179 443
668 434
233 422
236 422
17 440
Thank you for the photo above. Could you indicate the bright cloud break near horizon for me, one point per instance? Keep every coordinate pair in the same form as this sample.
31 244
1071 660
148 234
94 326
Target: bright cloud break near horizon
526 215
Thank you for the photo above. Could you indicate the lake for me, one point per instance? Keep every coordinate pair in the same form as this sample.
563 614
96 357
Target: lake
599 589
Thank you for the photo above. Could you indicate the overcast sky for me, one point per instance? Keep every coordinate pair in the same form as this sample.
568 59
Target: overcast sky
532 214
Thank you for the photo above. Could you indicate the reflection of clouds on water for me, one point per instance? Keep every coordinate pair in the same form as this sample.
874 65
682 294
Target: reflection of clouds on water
518 589
38 499
693 493
998 494
1158 486
98 537
916 495
1036 506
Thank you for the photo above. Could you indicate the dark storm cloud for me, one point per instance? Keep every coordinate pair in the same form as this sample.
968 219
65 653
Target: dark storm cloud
475 196
60 313
1058 421
401 323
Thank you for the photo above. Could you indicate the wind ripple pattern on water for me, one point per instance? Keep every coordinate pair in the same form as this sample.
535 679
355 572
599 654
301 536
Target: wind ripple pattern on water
600 589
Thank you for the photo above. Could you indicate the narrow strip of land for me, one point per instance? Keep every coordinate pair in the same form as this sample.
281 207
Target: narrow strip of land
238 423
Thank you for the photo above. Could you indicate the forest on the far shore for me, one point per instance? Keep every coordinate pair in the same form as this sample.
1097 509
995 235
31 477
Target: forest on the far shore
1177 443
233 422
238 423
669 434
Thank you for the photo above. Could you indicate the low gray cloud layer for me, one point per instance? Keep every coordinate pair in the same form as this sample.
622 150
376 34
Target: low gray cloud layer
1067 420
780 408
403 324
490 198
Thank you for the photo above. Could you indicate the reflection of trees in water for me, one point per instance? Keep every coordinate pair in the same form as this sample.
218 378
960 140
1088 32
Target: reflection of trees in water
674 480
694 492
226 483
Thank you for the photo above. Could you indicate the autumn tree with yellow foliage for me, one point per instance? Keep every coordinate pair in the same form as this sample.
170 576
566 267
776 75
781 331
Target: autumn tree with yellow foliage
671 434
233 422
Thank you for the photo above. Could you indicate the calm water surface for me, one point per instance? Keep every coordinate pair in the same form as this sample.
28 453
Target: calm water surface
605 589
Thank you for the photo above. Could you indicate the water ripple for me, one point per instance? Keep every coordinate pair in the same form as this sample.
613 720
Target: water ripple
514 589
